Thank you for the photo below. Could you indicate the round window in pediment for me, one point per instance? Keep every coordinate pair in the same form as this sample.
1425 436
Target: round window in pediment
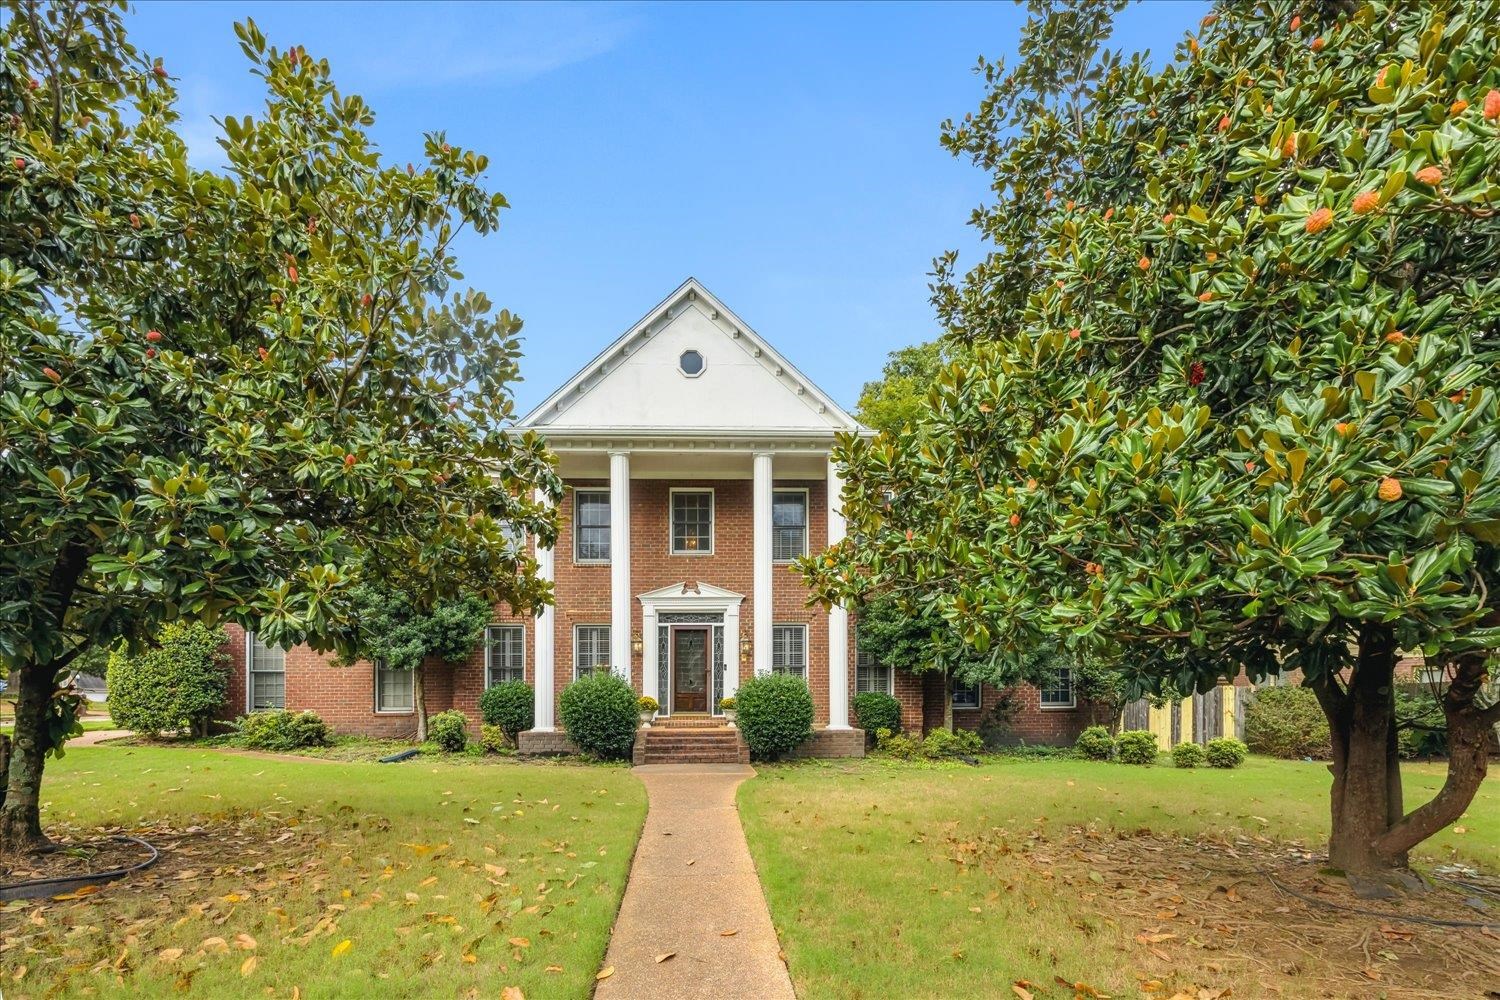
690 364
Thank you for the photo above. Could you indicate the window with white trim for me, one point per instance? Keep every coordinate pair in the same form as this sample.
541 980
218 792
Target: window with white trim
504 654
591 525
692 522
965 695
266 666
394 689
1059 694
872 675
788 524
590 649
789 650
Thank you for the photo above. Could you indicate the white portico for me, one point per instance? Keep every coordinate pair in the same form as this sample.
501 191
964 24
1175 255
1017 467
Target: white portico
698 465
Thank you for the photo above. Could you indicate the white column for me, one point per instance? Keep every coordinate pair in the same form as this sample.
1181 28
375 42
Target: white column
619 562
731 651
542 646
649 666
838 615
761 640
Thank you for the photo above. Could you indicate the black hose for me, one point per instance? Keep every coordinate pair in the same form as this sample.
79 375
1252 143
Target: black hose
41 888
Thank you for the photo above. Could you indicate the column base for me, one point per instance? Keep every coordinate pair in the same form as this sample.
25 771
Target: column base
544 743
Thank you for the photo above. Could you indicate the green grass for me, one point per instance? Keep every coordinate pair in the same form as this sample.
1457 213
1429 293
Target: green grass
858 863
446 879
89 725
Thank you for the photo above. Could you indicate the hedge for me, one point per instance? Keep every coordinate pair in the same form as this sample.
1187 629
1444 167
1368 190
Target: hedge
177 687
774 713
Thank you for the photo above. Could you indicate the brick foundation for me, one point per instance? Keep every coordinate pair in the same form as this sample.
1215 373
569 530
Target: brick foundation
534 744
831 743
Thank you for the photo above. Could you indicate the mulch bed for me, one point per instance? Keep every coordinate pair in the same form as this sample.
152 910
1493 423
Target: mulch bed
1253 917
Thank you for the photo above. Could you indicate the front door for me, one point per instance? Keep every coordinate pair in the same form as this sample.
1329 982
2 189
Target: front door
690 670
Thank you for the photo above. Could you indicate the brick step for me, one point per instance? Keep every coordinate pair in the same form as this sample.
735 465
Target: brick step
703 723
691 747
697 758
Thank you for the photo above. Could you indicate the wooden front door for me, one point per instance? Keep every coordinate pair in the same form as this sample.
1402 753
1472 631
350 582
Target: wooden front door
690 670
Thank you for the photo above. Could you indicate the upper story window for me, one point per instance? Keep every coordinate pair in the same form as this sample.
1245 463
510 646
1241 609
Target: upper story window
691 364
692 522
788 524
591 525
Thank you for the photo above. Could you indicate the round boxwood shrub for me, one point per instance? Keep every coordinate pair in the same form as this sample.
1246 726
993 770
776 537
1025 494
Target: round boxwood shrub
280 731
1188 755
1136 746
511 706
876 710
941 744
449 731
775 713
1286 722
1095 743
600 715
1226 752
177 687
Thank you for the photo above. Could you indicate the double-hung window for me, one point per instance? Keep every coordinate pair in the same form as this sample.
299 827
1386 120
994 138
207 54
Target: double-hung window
692 522
267 670
591 525
504 654
788 524
965 695
1059 694
590 649
789 650
871 675
394 689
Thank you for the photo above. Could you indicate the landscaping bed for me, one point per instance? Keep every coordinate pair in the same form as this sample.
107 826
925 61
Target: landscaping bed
335 881
923 880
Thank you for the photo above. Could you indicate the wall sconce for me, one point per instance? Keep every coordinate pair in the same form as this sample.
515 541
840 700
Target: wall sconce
744 647
635 643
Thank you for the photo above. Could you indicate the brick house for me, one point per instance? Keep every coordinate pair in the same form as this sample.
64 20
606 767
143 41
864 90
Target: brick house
697 466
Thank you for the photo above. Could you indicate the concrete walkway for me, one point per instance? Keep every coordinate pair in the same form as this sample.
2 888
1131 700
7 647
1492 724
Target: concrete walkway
96 736
692 883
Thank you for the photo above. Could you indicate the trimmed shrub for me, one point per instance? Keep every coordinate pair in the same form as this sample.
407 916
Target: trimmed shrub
177 687
774 713
492 739
1188 755
1286 722
600 715
876 710
1095 743
1226 752
510 706
1137 746
449 731
280 731
941 744
898 745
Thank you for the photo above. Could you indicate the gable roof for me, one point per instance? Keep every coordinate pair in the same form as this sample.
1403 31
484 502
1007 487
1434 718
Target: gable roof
634 386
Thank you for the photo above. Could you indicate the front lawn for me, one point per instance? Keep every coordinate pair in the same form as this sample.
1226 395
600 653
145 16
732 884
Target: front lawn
903 880
337 879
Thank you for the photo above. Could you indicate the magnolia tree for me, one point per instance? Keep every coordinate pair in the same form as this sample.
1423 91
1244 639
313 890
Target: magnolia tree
232 396
1229 399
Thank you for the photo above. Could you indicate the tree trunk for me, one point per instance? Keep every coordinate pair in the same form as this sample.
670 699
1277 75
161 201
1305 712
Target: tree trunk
1365 766
20 812
419 700
947 700
1372 833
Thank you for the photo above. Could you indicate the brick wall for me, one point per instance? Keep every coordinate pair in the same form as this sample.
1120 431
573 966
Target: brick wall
922 701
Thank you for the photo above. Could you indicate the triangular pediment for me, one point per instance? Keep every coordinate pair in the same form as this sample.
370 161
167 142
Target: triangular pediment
646 382
691 589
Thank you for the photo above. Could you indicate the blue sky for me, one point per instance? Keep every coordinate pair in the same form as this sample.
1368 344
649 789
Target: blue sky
785 155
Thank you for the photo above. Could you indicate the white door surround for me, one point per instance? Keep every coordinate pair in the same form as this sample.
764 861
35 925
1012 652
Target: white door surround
693 598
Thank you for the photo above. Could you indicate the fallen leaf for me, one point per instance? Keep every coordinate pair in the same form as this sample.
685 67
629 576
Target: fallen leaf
512 993
342 947
521 942
605 973
169 954
1021 991
729 933
245 942
247 967
664 956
